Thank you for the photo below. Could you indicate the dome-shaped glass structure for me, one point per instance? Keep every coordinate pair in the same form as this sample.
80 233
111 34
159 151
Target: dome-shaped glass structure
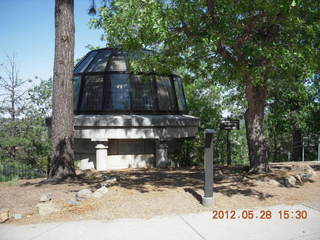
104 84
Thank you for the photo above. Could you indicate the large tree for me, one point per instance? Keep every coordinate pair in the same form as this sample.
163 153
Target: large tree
249 43
62 162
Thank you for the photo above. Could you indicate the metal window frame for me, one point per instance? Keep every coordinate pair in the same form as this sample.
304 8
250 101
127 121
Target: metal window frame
107 84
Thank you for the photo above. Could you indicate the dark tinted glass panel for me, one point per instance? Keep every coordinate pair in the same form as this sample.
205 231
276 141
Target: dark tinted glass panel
118 63
92 96
100 62
143 96
118 92
76 91
84 64
165 94
180 96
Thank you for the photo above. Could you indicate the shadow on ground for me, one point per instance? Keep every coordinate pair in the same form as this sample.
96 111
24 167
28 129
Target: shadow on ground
150 180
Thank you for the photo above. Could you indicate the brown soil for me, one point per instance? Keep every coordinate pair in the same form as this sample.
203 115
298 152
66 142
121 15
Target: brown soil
144 193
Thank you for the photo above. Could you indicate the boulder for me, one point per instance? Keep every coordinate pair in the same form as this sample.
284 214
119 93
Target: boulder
100 192
111 180
299 179
4 214
218 175
306 176
46 197
305 168
83 194
47 208
290 181
274 182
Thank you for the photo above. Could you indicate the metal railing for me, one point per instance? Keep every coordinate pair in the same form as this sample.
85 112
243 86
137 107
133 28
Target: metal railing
11 171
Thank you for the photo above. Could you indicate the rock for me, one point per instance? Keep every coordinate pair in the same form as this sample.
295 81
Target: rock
83 194
305 168
87 173
73 202
109 182
245 179
299 179
4 214
311 172
258 182
47 208
100 192
290 181
218 178
45 197
17 216
218 175
305 177
273 182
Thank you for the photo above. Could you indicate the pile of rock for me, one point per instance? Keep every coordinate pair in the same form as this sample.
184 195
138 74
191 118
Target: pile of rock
87 193
300 173
46 206
4 215
292 175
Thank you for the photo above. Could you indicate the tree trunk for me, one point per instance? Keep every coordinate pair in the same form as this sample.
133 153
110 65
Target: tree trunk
254 116
275 144
62 165
296 144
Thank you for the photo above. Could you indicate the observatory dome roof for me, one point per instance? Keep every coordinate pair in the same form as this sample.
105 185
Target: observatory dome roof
103 84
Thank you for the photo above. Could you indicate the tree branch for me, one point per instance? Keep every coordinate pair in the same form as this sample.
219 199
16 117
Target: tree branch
211 5
225 53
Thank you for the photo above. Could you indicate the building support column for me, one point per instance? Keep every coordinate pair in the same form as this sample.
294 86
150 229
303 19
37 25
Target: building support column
162 154
101 156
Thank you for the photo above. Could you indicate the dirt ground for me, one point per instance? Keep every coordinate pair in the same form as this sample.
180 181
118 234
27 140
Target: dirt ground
144 193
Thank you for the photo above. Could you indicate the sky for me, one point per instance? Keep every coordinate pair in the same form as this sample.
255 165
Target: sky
27 31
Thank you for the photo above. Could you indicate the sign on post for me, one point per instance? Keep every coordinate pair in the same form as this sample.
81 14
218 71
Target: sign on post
229 125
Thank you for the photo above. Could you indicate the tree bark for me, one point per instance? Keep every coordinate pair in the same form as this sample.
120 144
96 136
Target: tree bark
62 162
296 144
254 116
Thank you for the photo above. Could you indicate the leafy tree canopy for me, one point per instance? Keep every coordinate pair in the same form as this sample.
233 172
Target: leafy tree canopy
230 39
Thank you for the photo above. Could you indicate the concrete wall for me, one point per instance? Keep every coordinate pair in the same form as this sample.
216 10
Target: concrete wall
121 153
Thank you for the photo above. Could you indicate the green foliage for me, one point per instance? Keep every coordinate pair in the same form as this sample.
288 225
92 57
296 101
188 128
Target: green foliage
208 101
24 142
267 44
229 39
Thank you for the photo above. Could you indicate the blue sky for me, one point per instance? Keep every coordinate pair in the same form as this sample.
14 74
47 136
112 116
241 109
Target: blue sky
27 30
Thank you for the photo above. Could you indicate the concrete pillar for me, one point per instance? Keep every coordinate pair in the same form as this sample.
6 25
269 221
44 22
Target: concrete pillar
207 199
162 154
319 149
101 156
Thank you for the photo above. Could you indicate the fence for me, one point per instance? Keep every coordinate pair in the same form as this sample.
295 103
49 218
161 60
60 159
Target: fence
11 171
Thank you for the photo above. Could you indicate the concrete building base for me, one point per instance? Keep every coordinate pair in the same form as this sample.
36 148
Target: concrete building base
207 202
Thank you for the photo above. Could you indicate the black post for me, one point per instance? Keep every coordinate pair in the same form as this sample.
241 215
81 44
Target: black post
207 199
228 148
